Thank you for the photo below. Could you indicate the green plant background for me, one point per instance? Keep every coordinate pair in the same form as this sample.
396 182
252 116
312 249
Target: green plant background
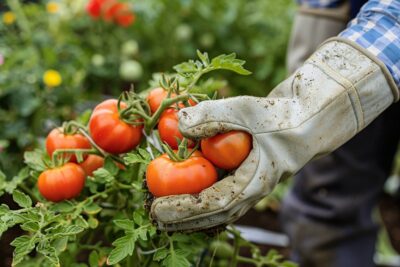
96 59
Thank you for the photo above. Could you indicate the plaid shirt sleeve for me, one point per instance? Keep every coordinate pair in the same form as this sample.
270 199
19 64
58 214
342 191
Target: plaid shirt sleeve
377 29
320 3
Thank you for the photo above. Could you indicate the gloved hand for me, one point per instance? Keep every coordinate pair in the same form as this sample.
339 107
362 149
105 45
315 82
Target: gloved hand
338 91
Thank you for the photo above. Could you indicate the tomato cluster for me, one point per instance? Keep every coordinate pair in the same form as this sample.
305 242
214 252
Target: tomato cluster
111 10
166 176
115 128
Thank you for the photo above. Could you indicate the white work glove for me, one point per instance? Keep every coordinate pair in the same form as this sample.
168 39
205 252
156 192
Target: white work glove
337 92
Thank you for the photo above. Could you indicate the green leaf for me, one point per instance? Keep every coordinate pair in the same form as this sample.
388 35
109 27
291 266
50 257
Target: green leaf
110 166
22 199
80 221
64 207
71 230
203 57
50 255
30 226
92 208
60 244
124 246
23 245
94 259
125 224
186 67
10 186
93 222
138 217
176 258
101 175
160 254
3 228
229 62
34 159
140 155
4 209
142 233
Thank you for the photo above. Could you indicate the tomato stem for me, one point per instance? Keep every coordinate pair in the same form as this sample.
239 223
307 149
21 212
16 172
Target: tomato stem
99 149
166 103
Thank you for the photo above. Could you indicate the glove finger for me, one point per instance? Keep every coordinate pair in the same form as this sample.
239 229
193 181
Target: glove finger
216 202
208 118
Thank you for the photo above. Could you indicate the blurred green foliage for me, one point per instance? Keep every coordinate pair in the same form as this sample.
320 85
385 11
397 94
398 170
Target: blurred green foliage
96 58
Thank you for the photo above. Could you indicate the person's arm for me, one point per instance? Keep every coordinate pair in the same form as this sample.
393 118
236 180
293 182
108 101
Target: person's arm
338 91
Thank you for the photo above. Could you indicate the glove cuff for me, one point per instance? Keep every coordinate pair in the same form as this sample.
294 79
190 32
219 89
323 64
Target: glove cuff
389 79
366 80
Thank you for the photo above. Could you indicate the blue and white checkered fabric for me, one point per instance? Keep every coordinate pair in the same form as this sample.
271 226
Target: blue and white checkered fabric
320 3
377 28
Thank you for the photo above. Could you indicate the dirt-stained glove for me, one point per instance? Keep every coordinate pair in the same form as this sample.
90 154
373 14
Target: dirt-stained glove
338 91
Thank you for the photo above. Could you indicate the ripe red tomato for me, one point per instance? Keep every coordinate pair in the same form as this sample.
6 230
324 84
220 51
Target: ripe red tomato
110 132
157 95
58 140
92 163
168 128
165 177
228 150
61 183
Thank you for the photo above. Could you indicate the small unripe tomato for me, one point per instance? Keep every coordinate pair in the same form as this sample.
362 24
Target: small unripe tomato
56 139
228 150
61 183
166 177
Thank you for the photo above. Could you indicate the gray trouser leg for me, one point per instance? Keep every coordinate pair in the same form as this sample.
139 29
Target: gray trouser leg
327 213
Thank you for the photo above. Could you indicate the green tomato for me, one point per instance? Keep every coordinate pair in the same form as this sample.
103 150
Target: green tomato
130 48
98 60
207 40
130 70
183 32
223 249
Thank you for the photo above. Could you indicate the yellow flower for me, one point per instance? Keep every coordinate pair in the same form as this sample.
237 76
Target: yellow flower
8 17
52 7
52 78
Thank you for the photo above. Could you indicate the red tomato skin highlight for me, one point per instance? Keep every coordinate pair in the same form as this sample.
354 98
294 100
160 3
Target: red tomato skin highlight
165 177
228 150
110 132
56 139
61 183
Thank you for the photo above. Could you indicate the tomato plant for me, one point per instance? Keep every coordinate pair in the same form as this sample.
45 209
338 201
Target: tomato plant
59 139
61 183
168 128
227 150
109 223
165 177
110 132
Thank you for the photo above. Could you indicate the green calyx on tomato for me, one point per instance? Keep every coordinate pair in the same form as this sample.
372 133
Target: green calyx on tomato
109 131
66 143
